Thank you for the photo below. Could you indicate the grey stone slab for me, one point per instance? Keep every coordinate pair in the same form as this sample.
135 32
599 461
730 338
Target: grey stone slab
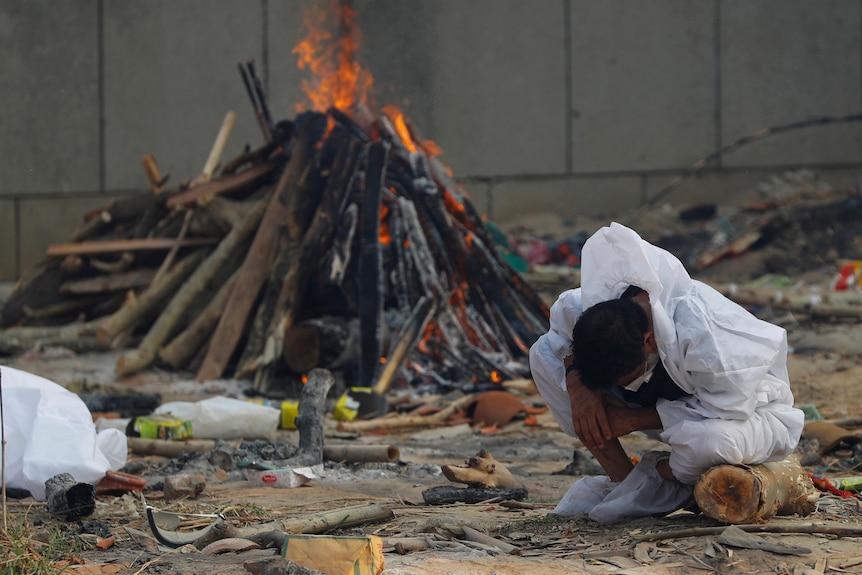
46 221
643 84
568 198
8 241
49 95
498 86
171 75
782 62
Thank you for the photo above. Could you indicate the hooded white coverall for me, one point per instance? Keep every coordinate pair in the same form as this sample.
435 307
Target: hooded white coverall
733 365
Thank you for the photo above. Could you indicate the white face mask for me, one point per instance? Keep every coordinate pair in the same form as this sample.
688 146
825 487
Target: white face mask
649 364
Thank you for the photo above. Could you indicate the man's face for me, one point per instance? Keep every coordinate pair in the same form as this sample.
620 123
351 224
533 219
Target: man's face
639 371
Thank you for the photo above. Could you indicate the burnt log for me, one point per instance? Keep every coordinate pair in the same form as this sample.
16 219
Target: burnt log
331 342
126 404
370 271
310 419
447 494
69 498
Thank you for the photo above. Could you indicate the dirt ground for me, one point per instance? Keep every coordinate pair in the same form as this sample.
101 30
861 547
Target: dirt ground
535 454
825 372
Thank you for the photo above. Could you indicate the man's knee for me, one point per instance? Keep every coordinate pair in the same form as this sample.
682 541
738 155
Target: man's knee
699 447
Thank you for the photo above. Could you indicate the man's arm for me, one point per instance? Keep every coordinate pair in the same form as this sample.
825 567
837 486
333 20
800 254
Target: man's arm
589 417
624 420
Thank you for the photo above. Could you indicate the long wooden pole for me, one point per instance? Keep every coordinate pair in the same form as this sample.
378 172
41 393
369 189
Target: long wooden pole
370 272
256 266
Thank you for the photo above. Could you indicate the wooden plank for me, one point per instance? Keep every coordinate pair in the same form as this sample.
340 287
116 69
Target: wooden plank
223 185
112 246
102 284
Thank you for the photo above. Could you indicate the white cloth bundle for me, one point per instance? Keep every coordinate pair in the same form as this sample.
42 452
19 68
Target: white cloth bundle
49 431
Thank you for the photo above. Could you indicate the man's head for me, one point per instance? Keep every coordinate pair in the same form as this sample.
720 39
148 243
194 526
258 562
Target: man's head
611 342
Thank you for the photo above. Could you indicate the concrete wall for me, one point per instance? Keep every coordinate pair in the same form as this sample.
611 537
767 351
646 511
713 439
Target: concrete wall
575 107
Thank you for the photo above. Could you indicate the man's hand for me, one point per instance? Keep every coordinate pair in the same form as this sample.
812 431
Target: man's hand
588 413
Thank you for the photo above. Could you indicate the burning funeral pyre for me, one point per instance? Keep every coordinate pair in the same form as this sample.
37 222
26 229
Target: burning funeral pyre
342 242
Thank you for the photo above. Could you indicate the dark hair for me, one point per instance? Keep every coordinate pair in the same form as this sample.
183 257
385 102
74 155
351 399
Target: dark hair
608 342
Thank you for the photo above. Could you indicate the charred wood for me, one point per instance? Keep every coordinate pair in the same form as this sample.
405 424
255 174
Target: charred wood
370 270
330 342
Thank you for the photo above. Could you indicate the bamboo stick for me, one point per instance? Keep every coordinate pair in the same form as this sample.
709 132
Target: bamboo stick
142 446
361 453
325 520
136 307
402 421
180 351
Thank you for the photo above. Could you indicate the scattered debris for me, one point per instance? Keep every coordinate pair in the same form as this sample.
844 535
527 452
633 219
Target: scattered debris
482 470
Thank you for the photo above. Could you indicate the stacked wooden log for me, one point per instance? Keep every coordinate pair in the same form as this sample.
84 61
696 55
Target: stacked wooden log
338 244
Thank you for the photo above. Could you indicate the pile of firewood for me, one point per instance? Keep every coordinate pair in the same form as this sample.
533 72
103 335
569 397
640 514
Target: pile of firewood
341 243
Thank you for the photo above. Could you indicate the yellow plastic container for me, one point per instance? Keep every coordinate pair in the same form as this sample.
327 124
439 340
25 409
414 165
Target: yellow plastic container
162 427
289 410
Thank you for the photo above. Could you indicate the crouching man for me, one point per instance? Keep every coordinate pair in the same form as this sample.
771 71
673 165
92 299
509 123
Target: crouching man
641 346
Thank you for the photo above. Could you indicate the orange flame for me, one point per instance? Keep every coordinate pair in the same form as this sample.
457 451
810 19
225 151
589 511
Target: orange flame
304 378
496 377
385 236
457 303
431 331
338 80
401 127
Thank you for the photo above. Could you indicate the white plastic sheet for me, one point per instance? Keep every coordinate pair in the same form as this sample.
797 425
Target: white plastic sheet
49 431
224 418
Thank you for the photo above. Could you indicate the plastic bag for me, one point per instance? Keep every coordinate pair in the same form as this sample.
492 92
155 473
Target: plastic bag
49 431
225 418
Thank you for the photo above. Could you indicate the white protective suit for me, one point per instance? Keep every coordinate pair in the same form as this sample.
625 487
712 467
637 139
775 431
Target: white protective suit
48 431
734 365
